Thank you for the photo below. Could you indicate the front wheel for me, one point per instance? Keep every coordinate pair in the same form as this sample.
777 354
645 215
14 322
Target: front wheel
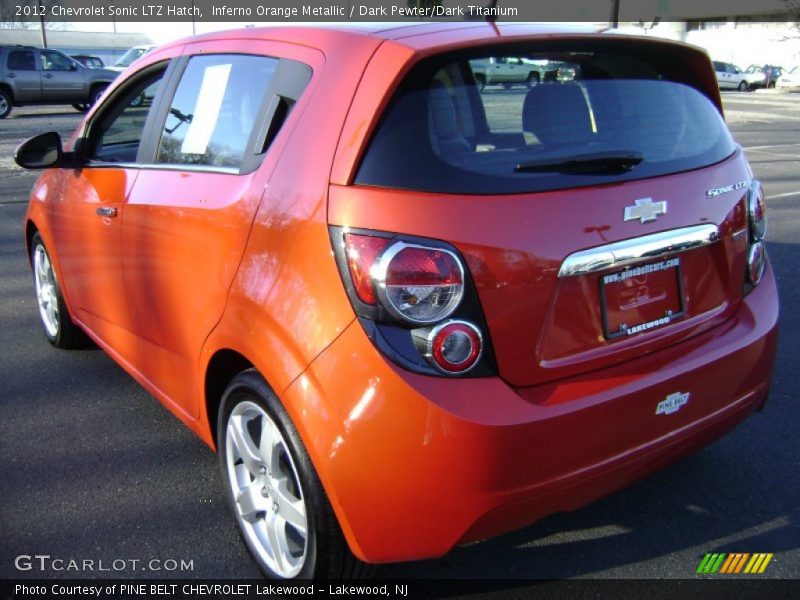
58 326
81 107
743 86
532 80
283 513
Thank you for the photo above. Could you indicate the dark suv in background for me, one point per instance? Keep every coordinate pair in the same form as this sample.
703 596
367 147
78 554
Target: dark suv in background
30 75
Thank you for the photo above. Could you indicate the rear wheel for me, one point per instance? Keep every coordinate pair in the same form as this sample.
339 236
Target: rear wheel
58 327
743 86
481 81
5 103
81 107
284 516
97 92
533 80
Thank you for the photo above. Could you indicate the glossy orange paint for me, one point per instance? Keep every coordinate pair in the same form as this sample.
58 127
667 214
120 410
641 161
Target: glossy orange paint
200 263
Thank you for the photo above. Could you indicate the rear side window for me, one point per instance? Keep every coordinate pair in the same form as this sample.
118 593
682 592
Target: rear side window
21 60
523 119
214 110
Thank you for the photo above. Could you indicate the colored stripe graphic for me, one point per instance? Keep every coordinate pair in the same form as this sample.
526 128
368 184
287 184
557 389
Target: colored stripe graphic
724 563
735 562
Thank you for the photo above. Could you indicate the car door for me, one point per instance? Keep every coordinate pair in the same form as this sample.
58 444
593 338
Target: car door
719 72
87 218
187 219
63 80
23 76
502 69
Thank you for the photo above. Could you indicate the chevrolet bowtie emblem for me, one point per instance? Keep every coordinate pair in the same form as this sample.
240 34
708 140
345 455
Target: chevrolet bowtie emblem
645 210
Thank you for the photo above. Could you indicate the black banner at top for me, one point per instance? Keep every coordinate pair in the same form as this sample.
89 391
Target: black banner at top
395 10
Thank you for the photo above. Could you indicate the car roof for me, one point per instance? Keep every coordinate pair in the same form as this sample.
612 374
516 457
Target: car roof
424 34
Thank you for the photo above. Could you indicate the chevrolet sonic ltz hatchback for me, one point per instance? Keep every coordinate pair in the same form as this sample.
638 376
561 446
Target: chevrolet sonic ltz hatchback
407 310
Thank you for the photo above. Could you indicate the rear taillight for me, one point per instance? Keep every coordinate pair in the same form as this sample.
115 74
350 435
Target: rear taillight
413 283
756 262
418 284
361 252
415 300
757 227
757 211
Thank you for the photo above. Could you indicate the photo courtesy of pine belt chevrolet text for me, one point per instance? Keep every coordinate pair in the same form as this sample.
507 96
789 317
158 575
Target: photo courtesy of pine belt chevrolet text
417 286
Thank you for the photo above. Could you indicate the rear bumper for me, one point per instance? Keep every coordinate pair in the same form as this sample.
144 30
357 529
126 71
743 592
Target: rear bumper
415 465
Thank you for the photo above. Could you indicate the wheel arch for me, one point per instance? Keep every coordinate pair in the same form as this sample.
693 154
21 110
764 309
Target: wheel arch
224 365
30 230
7 89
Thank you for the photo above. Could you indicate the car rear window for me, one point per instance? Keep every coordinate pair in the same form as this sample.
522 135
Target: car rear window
518 119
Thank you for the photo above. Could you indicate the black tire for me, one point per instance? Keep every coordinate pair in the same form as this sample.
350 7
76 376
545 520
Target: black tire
6 103
81 107
533 80
481 81
325 553
743 86
61 331
95 94
507 86
771 85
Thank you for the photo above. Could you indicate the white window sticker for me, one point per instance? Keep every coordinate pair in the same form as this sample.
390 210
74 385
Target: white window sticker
206 111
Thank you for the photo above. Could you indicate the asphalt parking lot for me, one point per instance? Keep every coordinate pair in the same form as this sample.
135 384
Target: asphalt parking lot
91 467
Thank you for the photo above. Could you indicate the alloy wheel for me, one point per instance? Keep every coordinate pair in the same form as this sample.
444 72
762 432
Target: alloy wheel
267 494
46 290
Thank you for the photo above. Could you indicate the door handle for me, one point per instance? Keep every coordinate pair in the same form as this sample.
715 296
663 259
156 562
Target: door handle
11 75
107 211
48 75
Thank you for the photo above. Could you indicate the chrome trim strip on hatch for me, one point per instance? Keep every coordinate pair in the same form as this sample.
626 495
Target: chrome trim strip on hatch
621 254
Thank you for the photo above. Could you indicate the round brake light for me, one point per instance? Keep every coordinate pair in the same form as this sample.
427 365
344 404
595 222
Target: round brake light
419 284
454 347
756 211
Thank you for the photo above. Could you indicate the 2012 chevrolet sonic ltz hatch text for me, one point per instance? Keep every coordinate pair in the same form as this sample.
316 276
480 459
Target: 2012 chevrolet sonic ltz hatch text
411 308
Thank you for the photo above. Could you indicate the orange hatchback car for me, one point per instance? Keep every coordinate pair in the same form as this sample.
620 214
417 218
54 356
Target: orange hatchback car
410 311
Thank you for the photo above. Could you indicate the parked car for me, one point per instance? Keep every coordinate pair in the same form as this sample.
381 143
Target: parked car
30 76
730 77
507 71
132 54
789 80
405 314
91 62
762 76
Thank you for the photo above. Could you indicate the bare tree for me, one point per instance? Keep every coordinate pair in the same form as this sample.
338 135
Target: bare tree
28 14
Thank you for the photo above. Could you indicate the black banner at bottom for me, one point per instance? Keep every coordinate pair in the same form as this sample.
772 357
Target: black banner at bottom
174 589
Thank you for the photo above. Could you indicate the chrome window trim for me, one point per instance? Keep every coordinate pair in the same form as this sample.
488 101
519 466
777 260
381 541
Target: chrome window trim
164 167
626 252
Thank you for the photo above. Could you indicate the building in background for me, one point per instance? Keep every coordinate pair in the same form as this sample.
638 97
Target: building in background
742 42
106 46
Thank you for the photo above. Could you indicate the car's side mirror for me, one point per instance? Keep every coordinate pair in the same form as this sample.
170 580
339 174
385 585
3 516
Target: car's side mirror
42 151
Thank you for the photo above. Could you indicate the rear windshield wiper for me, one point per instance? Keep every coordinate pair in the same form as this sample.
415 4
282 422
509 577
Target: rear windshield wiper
598 162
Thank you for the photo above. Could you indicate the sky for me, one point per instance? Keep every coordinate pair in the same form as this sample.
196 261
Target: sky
159 32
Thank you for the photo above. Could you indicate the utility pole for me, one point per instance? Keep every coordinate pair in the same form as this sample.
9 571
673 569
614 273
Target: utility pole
41 22
614 14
